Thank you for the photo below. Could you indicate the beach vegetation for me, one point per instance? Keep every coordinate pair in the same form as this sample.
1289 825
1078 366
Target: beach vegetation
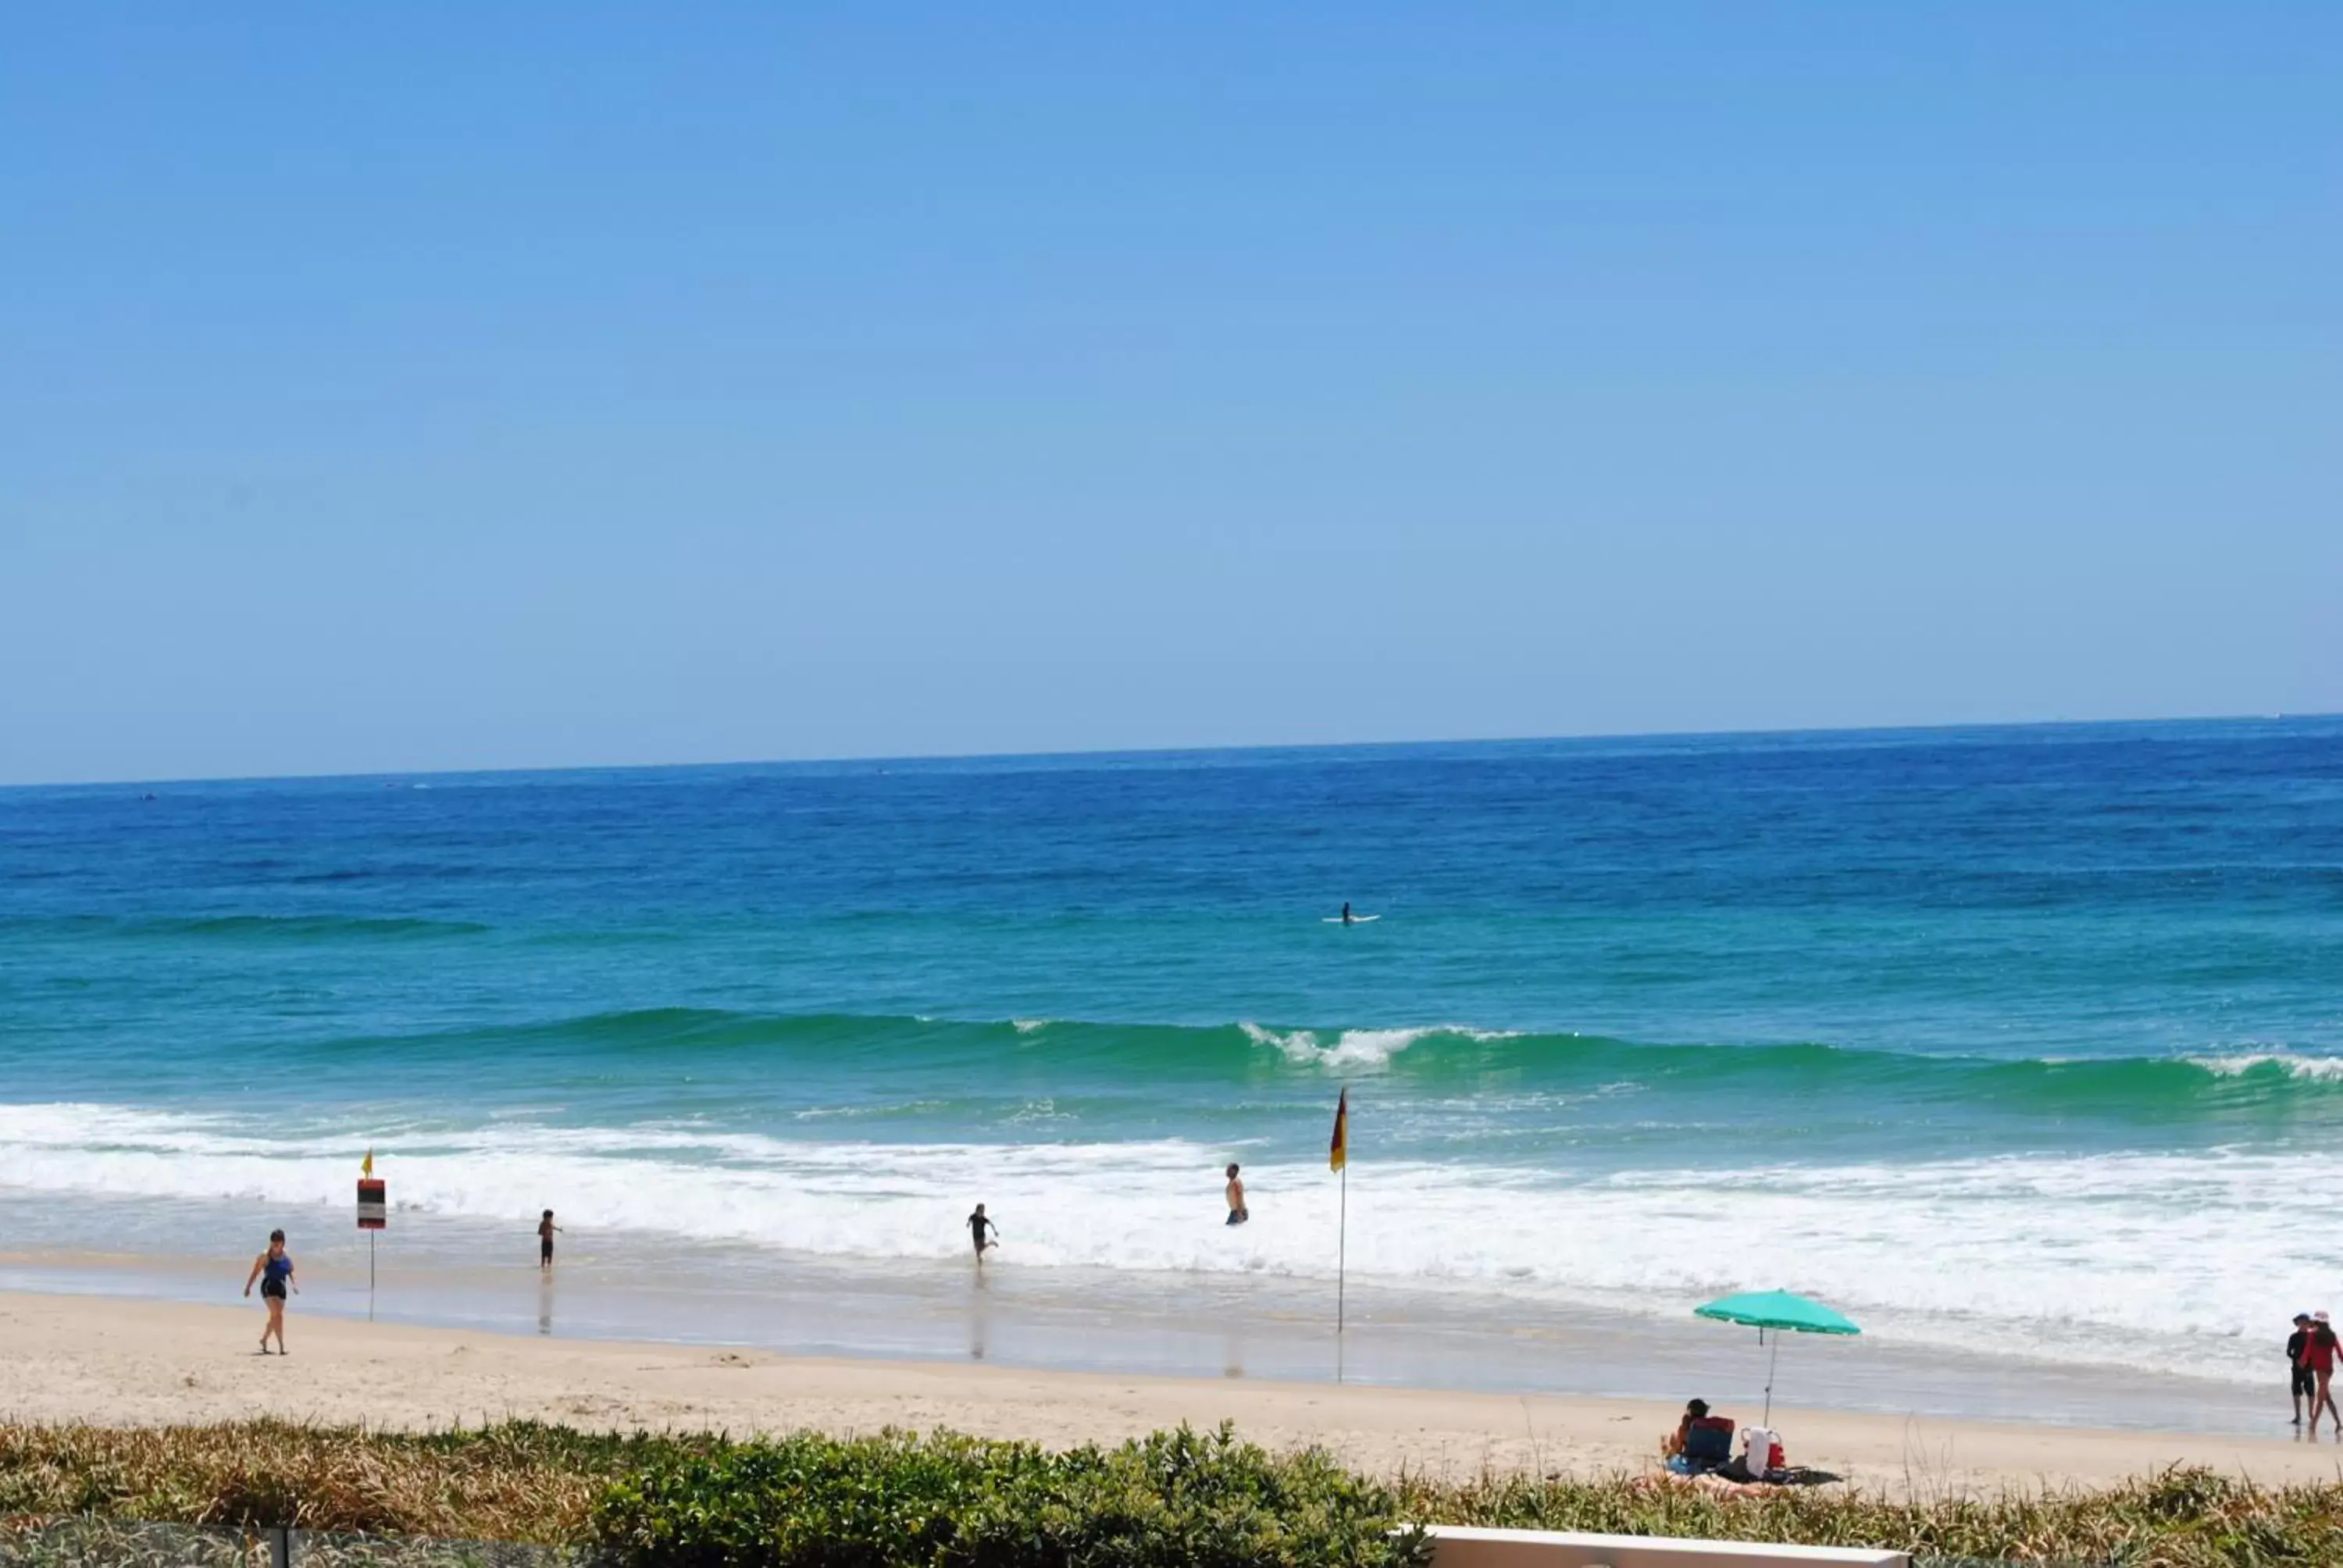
1193 1500
2181 1518
1172 1500
515 1481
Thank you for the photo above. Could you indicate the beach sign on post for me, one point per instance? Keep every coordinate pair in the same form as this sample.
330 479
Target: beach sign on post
374 1214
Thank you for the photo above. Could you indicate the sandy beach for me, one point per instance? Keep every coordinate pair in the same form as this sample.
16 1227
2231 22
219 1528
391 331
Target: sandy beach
87 1359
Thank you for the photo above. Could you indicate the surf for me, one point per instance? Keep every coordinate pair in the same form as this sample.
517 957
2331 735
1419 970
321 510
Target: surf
1440 1057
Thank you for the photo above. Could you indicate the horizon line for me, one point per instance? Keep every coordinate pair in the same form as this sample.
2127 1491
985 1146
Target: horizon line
877 759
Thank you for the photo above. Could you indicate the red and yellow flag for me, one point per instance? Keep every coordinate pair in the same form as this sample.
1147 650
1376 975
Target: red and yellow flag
1339 1154
368 1168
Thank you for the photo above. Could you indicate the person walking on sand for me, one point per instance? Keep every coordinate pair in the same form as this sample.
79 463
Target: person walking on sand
977 1227
2318 1355
274 1270
2297 1371
546 1229
1238 1212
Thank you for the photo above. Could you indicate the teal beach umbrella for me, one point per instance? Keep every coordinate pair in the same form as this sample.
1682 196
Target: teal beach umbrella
1784 1314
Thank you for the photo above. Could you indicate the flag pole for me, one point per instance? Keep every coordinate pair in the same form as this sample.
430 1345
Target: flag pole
1342 1264
1343 1252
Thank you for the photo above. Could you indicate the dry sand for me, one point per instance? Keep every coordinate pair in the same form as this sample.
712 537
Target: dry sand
95 1359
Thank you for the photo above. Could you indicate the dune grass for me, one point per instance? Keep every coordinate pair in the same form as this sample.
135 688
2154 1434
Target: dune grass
900 1501
2183 1518
515 1482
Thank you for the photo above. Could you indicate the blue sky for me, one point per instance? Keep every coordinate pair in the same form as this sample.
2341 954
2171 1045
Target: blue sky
443 387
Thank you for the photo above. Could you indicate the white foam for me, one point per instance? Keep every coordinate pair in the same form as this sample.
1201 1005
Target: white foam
2316 1068
2173 1261
1355 1050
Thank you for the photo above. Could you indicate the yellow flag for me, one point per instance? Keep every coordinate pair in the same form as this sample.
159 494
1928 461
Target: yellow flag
368 1168
1339 1155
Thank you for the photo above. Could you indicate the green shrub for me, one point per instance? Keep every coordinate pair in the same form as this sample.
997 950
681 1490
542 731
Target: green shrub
1174 1500
943 1501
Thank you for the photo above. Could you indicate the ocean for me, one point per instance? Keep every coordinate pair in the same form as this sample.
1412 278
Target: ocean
2021 1043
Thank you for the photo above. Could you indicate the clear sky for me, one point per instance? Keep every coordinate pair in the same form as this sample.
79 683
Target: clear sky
429 386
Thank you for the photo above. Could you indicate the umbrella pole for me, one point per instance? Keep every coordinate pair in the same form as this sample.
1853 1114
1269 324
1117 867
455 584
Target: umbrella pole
1770 1363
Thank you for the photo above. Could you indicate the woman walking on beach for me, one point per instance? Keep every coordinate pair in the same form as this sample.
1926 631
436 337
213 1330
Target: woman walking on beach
274 1270
2318 1355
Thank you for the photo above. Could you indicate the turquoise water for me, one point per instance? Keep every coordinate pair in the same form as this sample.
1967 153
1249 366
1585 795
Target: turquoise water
2013 1038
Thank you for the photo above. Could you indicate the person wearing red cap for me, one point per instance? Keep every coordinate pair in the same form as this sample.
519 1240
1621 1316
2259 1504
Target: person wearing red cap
2318 1355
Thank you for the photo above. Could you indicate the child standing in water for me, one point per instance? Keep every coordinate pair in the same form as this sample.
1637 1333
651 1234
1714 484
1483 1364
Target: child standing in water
544 1230
274 1270
977 1227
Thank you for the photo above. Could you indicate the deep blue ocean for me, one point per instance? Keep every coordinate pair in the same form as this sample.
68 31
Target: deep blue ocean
1997 1036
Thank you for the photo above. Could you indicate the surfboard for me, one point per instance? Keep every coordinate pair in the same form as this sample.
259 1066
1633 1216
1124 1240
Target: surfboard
1355 920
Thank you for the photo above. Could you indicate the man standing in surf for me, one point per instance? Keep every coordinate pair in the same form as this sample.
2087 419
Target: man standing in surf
1238 1212
2299 1373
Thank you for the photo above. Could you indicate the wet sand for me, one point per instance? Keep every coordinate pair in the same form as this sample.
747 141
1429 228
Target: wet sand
440 1274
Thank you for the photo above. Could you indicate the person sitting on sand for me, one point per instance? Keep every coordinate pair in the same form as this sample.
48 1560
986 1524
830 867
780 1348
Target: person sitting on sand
977 1227
1700 1442
277 1265
1673 1445
1238 1212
